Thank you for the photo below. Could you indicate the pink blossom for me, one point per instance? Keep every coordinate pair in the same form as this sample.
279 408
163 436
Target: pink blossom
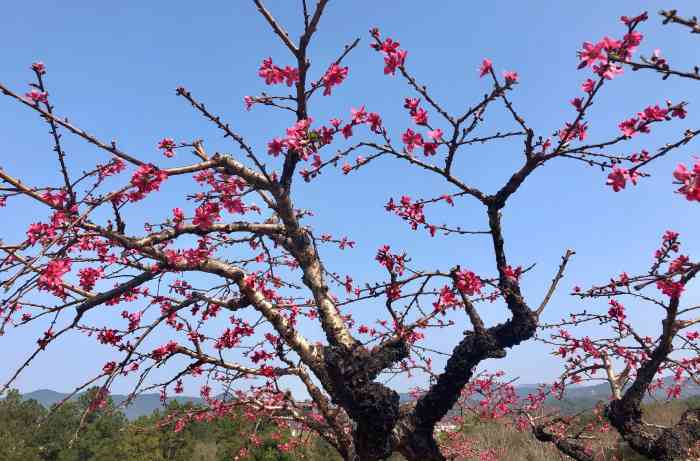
514 274
629 127
577 103
275 146
393 61
37 96
375 122
333 76
588 86
617 179
670 288
689 180
570 132
358 115
411 104
436 134
206 214
608 70
411 139
109 367
274 74
468 282
681 173
146 179
617 311
393 292
590 54
679 111
108 336
446 299
626 20
393 56
51 278
167 144
420 116
510 76
116 166
631 41
39 68
88 277
163 351
486 67
653 114
392 262
670 236
178 215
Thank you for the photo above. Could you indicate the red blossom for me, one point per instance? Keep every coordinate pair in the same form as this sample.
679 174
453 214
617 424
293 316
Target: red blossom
436 134
275 146
670 288
429 148
393 56
37 96
486 67
178 215
510 76
39 68
393 292
468 282
571 132
689 181
273 74
333 76
375 122
616 311
163 351
147 178
619 176
167 145
394 263
51 278
88 277
420 116
411 139
588 86
206 214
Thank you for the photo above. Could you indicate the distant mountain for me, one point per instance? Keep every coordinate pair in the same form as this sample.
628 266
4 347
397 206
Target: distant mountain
584 397
141 405
577 398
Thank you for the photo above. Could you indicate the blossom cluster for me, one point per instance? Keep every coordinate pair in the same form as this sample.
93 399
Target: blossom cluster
146 179
468 282
273 74
51 278
394 57
689 180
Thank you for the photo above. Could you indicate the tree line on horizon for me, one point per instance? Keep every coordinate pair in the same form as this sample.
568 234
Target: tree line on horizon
31 432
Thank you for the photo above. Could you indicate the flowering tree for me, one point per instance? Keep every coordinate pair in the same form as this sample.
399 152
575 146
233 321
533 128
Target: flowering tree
632 364
230 255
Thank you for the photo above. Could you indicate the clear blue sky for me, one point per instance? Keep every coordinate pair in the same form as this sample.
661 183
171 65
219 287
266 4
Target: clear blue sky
113 68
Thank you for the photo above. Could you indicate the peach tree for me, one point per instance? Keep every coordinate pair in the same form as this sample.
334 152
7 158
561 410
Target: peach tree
237 246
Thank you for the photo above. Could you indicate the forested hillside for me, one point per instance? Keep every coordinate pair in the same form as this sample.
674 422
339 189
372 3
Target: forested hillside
29 431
